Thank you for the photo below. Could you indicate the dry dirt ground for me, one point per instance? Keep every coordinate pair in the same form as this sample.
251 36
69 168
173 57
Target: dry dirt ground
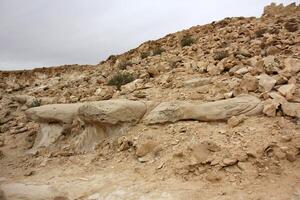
244 157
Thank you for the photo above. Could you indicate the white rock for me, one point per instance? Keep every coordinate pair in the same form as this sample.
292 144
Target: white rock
266 82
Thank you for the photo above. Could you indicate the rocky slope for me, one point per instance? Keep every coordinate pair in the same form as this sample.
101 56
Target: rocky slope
211 112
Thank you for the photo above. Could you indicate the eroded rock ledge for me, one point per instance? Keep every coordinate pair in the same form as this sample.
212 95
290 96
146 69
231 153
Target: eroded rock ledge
105 118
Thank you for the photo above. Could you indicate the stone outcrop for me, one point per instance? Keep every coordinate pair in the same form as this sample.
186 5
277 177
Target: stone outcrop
211 111
107 118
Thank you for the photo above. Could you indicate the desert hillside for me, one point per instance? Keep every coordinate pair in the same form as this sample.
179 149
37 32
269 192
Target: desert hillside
212 112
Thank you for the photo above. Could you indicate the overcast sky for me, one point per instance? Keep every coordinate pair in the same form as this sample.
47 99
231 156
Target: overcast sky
37 33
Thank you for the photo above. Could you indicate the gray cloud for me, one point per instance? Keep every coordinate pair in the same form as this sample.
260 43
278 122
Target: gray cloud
36 33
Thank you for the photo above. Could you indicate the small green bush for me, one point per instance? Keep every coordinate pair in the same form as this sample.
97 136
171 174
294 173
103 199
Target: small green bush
187 41
158 51
220 55
123 64
121 79
35 103
145 54
260 32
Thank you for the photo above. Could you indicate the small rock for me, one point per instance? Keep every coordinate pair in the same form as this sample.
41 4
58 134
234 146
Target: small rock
270 107
144 148
292 65
249 83
213 177
153 71
291 109
290 156
270 65
228 95
266 82
286 138
124 143
234 121
229 161
287 90
242 71
29 173
214 70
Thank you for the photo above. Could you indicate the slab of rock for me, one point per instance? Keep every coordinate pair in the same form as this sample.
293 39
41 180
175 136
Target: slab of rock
291 109
218 110
112 111
266 82
63 113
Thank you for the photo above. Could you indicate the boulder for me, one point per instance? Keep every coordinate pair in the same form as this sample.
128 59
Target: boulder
218 110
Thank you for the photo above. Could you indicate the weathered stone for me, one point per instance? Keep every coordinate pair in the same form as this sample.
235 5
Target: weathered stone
64 113
266 82
112 111
218 110
287 90
291 109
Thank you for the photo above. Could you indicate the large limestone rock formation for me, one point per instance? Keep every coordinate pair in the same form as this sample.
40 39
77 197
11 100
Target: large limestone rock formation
107 118
218 110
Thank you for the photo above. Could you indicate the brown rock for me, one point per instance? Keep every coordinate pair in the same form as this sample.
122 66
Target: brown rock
234 121
213 177
144 148
249 83
270 107
229 161
214 70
